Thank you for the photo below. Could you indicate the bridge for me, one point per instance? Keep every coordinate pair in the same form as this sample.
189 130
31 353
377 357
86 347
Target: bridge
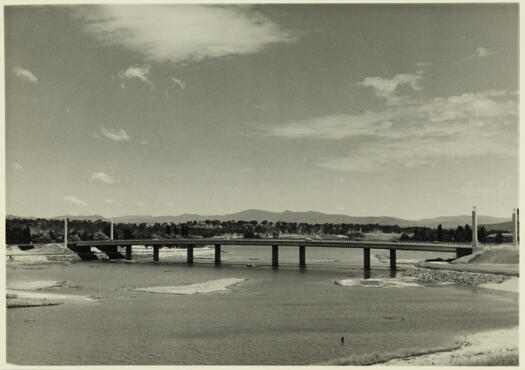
110 247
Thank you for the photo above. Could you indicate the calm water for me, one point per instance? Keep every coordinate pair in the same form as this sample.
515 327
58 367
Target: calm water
280 317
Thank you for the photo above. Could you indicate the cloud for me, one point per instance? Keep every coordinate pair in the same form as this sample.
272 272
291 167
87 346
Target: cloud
17 166
169 205
109 201
74 200
139 73
140 204
25 75
442 128
181 33
386 88
102 177
334 126
181 84
115 134
481 52
245 170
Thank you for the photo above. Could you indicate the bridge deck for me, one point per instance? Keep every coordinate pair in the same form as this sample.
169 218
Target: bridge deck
414 246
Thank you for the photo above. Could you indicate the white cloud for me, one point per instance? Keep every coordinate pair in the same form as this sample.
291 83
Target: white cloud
386 88
334 127
115 134
245 170
109 201
140 204
481 52
25 75
17 166
467 125
169 205
140 73
74 200
179 33
102 177
181 84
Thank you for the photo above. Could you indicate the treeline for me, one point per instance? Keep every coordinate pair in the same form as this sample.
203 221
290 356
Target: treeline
20 231
462 234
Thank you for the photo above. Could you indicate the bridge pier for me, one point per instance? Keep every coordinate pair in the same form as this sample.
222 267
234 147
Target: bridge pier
302 256
128 252
392 259
111 251
84 253
366 258
155 253
275 255
189 254
217 254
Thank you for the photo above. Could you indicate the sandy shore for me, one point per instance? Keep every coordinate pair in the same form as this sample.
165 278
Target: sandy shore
510 285
476 348
213 286
399 282
34 294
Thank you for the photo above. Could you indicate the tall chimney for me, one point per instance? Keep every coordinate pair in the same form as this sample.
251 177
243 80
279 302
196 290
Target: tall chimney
474 227
65 232
514 227
111 229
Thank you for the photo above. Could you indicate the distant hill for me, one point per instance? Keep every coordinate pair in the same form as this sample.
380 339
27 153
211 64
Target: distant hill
448 222
309 217
502 226
81 217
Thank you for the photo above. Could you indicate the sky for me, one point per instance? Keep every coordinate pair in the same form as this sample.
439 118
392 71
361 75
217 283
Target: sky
366 110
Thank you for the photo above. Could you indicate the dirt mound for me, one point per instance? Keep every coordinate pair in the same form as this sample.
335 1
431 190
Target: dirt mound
53 248
500 255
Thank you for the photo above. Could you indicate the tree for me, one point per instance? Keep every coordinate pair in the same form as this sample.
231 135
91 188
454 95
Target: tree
467 233
74 238
26 235
99 235
459 235
482 234
439 233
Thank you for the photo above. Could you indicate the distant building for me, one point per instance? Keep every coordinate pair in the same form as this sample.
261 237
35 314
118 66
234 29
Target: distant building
507 238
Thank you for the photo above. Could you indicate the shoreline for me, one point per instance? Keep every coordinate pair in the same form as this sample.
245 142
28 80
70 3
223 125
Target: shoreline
486 348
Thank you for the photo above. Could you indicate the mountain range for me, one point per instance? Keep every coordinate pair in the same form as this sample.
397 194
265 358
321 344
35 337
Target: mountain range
308 217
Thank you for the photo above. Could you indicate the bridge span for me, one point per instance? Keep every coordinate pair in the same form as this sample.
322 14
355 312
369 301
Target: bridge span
110 247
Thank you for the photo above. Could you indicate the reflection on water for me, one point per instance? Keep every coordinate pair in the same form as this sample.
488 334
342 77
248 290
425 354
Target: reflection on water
282 316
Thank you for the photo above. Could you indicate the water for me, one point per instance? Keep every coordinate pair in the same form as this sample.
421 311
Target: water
285 316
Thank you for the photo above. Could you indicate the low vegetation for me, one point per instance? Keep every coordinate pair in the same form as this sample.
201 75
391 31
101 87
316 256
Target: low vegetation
20 230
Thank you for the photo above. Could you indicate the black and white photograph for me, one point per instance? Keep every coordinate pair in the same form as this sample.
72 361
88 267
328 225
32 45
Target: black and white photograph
272 184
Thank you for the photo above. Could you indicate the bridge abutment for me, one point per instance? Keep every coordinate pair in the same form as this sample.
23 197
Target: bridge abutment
461 252
128 252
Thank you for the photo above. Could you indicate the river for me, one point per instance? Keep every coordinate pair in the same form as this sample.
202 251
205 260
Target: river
284 316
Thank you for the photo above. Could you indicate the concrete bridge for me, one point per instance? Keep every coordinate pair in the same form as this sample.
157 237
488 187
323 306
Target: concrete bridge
110 247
